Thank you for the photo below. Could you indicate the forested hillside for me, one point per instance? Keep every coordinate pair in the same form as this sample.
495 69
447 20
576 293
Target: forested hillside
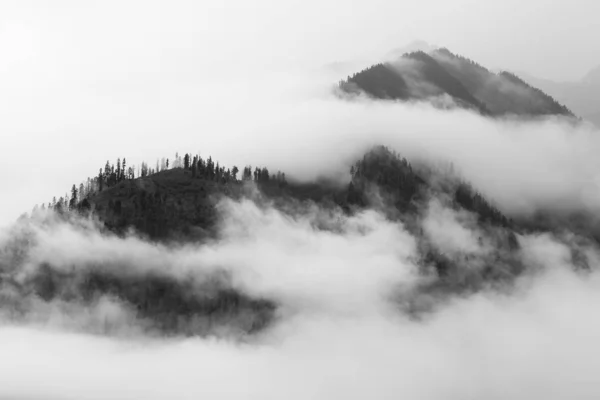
421 76
177 203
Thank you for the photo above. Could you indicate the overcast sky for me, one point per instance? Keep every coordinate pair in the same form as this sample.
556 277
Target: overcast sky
86 81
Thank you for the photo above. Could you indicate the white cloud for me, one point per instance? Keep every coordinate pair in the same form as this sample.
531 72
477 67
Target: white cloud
452 231
339 332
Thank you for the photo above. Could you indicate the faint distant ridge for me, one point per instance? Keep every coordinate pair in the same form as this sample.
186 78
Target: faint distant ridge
592 77
442 78
582 96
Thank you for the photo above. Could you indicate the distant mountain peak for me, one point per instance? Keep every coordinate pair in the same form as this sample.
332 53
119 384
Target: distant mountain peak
436 72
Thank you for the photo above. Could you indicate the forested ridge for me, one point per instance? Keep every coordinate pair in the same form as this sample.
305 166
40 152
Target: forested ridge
421 76
177 202
179 197
171 197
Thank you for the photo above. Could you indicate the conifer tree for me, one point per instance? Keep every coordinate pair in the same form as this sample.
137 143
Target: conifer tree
194 166
73 201
100 181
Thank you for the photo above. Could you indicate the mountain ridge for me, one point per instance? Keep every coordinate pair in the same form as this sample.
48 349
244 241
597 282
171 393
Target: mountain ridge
583 96
181 205
441 72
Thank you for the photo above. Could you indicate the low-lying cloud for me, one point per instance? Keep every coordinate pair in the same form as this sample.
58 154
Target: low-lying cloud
522 165
340 331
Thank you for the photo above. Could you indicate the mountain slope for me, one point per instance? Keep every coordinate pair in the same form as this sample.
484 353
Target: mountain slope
502 93
582 96
427 76
174 205
432 72
379 81
186 207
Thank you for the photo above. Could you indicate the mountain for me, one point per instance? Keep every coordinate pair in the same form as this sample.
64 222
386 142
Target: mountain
439 74
181 203
168 208
582 96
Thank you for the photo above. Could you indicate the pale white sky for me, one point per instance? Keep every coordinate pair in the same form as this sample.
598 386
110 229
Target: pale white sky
86 81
